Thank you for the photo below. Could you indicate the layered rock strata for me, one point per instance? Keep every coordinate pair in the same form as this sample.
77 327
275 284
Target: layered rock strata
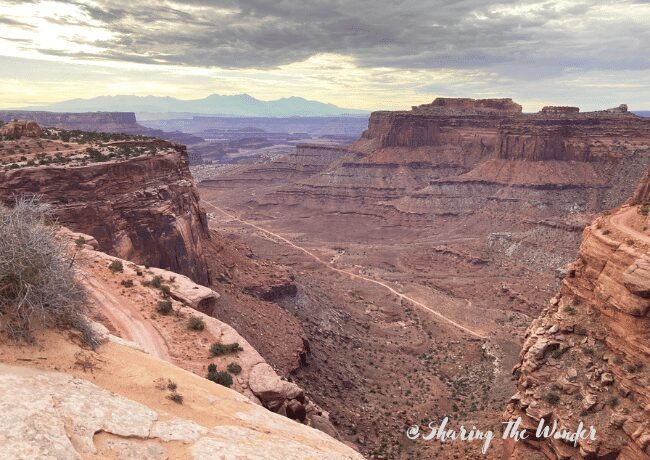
587 357
144 209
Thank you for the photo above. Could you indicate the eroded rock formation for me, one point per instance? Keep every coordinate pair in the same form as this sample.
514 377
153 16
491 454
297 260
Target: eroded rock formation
20 128
586 357
144 209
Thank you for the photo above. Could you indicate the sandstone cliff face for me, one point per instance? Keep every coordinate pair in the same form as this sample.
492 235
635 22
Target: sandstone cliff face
586 357
144 209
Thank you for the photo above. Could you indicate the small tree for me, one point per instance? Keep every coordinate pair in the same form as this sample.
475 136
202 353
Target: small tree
37 280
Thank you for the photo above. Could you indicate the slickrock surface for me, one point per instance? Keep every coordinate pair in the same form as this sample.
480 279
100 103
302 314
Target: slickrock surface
587 356
126 302
60 401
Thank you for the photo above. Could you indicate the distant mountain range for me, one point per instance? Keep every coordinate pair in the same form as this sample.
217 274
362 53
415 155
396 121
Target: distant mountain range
242 105
642 113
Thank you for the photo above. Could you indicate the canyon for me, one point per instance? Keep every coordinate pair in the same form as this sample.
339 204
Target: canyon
468 208
372 287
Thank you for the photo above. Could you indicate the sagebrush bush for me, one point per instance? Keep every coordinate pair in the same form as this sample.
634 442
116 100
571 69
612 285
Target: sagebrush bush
196 323
234 368
116 266
164 307
220 377
38 287
219 349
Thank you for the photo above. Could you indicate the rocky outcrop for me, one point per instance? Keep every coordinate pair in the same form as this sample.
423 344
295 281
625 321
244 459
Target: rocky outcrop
586 357
20 128
168 336
144 209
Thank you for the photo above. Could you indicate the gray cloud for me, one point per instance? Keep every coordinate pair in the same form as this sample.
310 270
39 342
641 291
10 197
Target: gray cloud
545 39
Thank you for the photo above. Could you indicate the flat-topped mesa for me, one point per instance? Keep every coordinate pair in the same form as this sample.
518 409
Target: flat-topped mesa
559 110
566 134
123 122
464 105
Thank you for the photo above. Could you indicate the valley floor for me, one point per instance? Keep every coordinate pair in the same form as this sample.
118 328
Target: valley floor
390 344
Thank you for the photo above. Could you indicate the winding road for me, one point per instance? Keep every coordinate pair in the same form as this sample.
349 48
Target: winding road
125 317
268 233
620 220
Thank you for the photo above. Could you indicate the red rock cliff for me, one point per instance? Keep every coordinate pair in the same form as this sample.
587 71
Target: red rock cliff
587 357
144 209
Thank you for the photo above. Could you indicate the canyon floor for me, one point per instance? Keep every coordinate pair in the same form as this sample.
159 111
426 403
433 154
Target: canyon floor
392 344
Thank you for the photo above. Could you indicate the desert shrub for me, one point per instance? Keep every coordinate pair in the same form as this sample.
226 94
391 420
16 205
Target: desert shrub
212 367
220 349
164 307
171 386
234 368
196 323
570 310
37 280
165 291
220 377
176 397
80 241
552 398
116 266
156 281
633 368
127 283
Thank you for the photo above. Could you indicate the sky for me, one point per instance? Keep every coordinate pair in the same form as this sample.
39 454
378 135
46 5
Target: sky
362 54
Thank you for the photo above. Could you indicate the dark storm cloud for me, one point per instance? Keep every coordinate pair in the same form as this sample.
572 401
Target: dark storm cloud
525 37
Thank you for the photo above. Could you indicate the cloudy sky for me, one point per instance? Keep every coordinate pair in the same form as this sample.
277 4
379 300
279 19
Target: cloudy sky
365 54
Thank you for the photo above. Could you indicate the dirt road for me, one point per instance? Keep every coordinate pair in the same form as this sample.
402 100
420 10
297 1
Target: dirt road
619 221
268 233
126 318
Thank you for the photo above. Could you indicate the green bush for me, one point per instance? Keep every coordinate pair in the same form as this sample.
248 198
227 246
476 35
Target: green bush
164 307
127 283
116 266
212 367
220 349
176 397
165 291
156 281
196 323
220 377
234 368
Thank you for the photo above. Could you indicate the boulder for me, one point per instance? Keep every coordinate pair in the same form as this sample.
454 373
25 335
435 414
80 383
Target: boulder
268 387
